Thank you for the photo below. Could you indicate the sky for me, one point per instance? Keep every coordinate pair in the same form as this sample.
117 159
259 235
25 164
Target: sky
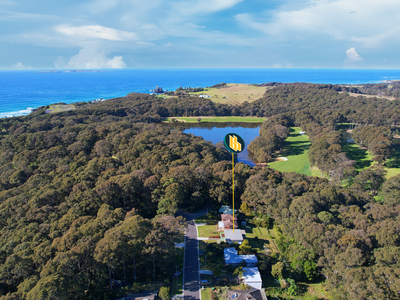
102 34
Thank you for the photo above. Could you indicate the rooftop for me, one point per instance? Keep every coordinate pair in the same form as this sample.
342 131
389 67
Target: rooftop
251 274
225 209
231 257
252 294
233 236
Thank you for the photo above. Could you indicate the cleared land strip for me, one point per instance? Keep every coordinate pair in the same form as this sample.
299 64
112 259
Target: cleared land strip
234 102
371 96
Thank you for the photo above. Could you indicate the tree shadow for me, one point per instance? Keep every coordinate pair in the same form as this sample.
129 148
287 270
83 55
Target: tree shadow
394 160
357 154
296 148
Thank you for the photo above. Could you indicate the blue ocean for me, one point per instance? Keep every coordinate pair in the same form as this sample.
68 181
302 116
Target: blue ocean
21 91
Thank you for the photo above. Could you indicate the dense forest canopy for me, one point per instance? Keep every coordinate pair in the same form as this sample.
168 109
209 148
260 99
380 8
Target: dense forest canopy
89 196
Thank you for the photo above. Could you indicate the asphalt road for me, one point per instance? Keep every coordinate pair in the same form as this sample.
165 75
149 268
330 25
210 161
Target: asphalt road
191 276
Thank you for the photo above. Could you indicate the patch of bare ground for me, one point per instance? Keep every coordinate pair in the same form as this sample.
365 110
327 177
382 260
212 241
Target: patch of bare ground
371 96
281 159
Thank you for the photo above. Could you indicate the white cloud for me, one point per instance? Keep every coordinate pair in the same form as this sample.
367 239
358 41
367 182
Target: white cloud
279 65
353 55
203 6
96 32
15 16
145 43
194 25
20 66
369 22
89 58
100 6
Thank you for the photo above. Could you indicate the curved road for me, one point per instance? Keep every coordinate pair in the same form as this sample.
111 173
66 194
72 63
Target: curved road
191 265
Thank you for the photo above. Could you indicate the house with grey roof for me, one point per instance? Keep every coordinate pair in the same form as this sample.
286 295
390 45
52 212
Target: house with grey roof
232 236
252 294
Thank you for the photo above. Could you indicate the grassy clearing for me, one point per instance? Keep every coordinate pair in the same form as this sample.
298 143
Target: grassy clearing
207 230
259 237
216 119
177 285
296 151
393 163
392 172
306 291
60 108
206 294
362 157
236 92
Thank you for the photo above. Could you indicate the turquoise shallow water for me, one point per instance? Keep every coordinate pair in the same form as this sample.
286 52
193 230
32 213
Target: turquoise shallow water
22 90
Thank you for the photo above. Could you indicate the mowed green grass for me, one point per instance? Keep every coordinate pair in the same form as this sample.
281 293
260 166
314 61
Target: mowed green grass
364 159
216 119
207 230
206 294
264 237
296 151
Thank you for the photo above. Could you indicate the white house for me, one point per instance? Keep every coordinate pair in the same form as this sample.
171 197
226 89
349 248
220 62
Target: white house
252 277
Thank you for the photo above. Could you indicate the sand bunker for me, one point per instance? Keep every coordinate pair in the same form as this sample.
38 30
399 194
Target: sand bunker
281 159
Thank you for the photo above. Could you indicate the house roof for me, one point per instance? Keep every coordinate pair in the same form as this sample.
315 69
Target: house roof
233 236
228 221
252 294
145 295
251 274
227 217
225 209
231 257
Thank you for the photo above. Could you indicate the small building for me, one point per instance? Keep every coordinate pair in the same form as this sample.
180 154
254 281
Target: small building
205 96
252 294
302 133
231 257
252 277
231 237
221 226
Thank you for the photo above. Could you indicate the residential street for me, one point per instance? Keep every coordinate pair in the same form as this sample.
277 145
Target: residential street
191 288
191 276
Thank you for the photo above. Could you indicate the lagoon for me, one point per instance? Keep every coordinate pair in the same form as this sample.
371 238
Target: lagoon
215 132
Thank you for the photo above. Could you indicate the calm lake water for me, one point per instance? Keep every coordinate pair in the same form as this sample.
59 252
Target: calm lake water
215 132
